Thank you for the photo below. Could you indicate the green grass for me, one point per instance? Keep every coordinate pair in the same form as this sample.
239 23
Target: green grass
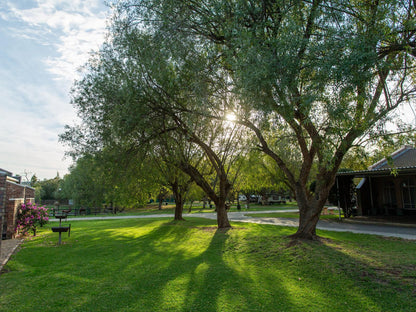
160 265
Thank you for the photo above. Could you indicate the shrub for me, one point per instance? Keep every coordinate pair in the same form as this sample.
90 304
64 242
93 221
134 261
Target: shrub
29 217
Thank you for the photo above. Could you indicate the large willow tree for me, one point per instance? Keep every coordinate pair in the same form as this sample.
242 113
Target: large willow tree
327 72
139 94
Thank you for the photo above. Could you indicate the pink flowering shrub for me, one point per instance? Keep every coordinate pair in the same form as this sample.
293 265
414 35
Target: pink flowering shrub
29 217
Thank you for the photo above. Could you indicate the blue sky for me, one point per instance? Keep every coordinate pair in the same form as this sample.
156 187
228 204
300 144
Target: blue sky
42 44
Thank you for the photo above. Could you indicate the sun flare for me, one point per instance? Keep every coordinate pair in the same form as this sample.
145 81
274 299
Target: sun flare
231 117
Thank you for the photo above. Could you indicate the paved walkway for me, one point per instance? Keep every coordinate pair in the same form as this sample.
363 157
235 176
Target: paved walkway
8 247
387 230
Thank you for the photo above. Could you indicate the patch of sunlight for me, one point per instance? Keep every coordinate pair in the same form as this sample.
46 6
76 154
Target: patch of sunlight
131 232
199 275
187 250
317 293
234 301
69 277
201 268
355 253
231 116
174 293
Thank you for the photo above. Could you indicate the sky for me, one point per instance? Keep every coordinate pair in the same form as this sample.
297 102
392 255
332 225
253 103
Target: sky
43 43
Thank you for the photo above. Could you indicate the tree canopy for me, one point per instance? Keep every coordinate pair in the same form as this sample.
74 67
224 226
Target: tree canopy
308 79
326 71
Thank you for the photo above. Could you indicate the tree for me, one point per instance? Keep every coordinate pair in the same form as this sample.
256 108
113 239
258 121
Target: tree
84 184
49 188
253 177
174 179
195 193
140 92
325 72
110 177
33 180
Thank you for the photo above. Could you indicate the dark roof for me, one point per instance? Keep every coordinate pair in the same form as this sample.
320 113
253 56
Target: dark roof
403 161
378 172
402 158
5 172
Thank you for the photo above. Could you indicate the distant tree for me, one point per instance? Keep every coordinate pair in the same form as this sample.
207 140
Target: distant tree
83 184
195 193
49 188
33 180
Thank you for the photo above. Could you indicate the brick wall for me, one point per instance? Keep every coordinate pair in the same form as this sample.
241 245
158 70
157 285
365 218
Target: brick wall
12 195
3 177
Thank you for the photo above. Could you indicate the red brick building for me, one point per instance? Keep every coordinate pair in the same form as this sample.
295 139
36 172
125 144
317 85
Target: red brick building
12 194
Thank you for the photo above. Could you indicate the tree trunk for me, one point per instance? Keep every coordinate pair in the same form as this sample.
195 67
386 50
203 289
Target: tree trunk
238 203
310 208
178 211
190 206
179 199
308 219
222 217
219 200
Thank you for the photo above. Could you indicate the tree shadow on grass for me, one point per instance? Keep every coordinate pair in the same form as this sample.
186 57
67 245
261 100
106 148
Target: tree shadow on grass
355 274
149 275
149 265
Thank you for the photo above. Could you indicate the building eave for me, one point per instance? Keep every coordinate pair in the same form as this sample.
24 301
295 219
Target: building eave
378 172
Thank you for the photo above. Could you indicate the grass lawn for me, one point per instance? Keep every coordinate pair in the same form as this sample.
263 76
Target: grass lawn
160 265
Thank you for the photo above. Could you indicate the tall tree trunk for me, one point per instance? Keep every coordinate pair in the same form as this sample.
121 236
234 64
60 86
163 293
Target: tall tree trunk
178 211
178 201
310 208
222 217
219 200
220 204
190 206
161 197
308 219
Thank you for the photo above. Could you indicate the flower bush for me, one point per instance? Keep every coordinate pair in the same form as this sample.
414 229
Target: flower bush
29 217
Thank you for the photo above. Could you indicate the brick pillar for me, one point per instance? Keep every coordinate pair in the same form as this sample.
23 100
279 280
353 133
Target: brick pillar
14 197
13 206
